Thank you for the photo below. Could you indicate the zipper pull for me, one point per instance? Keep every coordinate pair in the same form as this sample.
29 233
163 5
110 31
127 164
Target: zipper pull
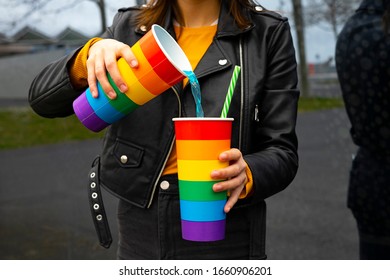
256 116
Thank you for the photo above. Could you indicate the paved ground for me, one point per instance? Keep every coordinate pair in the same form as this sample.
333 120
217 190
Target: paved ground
309 220
45 215
43 203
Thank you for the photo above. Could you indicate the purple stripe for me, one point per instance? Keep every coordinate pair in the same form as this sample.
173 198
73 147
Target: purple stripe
86 115
203 231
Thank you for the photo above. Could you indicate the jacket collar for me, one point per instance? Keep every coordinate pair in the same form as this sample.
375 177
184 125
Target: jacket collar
226 23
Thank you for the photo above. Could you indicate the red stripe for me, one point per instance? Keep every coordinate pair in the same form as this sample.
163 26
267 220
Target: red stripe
203 130
161 65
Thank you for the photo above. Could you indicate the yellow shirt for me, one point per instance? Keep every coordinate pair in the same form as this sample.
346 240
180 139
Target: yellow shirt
194 42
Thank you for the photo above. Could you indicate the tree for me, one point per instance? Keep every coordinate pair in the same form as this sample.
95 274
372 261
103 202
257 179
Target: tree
29 7
300 32
332 13
102 9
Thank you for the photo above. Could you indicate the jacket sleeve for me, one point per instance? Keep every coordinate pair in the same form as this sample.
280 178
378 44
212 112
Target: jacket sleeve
275 161
51 93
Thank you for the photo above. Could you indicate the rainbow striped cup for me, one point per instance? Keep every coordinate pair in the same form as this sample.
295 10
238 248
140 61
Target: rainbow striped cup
162 64
199 142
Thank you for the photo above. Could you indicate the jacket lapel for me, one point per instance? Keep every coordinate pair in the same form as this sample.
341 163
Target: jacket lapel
216 59
213 60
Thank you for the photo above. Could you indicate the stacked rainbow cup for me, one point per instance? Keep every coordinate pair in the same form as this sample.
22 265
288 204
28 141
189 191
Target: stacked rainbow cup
199 142
162 64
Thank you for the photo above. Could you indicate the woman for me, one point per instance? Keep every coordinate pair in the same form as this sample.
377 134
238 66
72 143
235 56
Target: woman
362 59
215 35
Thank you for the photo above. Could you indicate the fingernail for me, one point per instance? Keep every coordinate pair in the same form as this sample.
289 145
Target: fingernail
133 63
223 156
111 94
214 173
123 88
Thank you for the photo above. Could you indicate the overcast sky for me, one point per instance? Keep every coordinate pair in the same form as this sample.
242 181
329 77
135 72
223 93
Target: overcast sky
84 17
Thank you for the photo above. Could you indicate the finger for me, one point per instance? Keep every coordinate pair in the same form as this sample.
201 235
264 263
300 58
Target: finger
91 78
230 184
113 70
230 203
230 171
127 54
233 198
237 165
230 155
122 51
101 75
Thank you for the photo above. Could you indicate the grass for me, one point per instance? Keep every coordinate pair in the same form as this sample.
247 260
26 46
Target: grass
309 104
21 127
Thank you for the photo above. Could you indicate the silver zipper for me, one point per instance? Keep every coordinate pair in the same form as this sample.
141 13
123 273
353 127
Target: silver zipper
242 95
169 153
256 116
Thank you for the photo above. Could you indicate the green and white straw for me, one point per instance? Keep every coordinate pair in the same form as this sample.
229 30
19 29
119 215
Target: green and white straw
229 95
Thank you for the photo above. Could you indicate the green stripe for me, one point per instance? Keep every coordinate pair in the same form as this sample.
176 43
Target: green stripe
121 103
199 191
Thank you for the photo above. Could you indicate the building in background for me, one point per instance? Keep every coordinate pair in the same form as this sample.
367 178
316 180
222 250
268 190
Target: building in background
30 40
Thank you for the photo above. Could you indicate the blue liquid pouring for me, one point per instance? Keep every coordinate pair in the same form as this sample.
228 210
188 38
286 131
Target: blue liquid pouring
195 89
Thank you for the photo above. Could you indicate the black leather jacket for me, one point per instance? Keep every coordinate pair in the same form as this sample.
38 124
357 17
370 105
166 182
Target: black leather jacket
264 106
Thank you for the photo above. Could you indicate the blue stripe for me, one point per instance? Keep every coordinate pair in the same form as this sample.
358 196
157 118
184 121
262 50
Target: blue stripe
202 211
102 107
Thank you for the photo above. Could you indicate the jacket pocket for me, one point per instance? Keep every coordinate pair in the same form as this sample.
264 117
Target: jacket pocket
128 155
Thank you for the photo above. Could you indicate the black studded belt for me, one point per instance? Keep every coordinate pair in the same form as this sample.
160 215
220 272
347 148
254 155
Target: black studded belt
96 205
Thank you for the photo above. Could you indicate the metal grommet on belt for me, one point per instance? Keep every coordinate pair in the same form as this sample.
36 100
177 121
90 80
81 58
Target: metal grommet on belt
93 174
164 185
96 206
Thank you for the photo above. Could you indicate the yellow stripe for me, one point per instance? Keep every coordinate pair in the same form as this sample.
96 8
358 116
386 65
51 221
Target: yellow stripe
137 93
198 170
201 149
145 73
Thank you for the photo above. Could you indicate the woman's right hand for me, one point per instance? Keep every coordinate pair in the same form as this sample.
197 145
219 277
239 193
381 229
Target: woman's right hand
102 58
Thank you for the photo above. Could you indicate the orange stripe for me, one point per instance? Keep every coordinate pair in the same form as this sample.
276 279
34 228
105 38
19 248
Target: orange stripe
137 93
145 73
157 59
201 149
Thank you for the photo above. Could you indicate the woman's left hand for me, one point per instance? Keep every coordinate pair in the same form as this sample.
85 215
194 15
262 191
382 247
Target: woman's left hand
234 175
